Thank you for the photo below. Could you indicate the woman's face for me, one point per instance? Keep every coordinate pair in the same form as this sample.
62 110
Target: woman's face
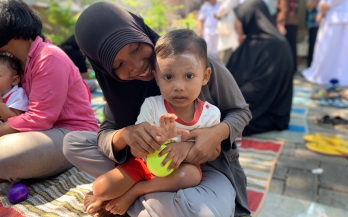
239 27
134 62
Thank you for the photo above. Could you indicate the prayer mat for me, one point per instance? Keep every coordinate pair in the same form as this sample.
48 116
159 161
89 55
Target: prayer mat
258 159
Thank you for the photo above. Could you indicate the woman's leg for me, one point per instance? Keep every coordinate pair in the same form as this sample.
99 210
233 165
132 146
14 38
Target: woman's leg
214 196
36 154
81 149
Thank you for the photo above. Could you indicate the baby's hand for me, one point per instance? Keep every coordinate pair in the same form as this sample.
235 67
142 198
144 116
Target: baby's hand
177 151
167 128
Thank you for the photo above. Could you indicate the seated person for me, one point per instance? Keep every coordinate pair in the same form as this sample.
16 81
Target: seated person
171 114
13 99
71 48
263 68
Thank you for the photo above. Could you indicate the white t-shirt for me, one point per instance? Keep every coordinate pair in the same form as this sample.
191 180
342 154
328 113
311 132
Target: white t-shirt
16 99
206 114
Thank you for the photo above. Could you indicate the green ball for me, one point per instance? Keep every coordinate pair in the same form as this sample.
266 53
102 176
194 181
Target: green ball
153 162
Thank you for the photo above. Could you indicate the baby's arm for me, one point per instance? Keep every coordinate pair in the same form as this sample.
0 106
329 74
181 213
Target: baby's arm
6 112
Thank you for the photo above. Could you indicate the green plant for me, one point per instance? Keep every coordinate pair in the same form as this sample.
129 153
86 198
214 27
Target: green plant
58 21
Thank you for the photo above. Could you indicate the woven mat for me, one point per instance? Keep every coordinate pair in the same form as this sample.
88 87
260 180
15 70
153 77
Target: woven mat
258 159
61 196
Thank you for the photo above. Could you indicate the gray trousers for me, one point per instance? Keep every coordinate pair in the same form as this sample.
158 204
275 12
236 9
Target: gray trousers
214 196
36 154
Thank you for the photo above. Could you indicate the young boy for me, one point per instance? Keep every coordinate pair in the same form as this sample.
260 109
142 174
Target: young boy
13 99
181 71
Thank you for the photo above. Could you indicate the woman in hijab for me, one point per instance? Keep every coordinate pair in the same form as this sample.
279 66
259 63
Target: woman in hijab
262 67
120 48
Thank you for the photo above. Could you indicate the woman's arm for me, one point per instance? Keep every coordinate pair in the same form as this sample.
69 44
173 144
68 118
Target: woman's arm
311 4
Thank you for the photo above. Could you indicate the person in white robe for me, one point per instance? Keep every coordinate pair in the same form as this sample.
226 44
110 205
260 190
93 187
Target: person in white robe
330 60
207 24
227 35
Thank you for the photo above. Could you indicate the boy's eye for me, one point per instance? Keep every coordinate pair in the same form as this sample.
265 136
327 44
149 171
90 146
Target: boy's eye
168 77
189 76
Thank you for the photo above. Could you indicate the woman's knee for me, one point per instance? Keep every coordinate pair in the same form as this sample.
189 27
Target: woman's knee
75 141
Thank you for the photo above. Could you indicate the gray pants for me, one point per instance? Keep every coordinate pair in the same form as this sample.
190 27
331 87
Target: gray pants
36 154
214 196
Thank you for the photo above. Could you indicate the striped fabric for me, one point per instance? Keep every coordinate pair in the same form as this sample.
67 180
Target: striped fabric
58 197
258 159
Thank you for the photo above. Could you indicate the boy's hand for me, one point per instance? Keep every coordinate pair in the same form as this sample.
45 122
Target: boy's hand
136 153
177 151
167 128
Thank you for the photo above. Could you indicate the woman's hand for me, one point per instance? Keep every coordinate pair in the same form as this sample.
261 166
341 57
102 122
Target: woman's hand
141 138
177 151
207 142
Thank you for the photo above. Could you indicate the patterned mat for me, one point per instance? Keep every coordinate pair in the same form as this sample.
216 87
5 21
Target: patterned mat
61 196
258 159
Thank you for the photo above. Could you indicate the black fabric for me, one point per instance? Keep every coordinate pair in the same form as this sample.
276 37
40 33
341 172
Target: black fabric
311 40
291 36
71 48
101 31
263 68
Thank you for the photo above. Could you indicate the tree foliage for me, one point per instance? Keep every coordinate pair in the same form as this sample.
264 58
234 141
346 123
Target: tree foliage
59 19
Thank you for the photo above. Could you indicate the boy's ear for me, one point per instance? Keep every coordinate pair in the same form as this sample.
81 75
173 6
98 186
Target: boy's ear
16 79
206 75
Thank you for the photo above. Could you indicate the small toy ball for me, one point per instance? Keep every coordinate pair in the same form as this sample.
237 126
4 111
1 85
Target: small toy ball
153 162
17 193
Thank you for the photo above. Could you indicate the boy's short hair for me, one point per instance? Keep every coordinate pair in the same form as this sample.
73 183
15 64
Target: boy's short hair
179 41
11 63
18 21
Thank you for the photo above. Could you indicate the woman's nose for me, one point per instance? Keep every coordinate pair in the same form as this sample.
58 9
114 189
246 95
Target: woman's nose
136 66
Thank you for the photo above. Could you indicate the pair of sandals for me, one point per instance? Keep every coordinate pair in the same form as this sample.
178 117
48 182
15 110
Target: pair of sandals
330 122
327 144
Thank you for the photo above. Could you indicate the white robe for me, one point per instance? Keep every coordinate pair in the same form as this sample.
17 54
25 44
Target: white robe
330 59
229 37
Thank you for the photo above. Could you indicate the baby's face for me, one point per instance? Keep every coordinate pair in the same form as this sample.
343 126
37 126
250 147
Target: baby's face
6 79
181 78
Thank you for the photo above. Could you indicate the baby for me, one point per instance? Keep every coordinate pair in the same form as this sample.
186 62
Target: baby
181 71
13 99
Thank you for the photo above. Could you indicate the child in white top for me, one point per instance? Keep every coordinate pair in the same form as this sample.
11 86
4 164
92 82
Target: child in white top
181 71
13 99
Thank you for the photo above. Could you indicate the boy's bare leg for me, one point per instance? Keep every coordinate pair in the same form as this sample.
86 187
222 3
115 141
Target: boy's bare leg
106 187
187 175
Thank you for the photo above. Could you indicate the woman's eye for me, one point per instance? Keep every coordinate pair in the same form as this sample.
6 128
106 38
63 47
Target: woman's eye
189 76
118 67
168 77
136 49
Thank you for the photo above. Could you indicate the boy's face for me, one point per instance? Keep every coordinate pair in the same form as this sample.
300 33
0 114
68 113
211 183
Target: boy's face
8 79
181 78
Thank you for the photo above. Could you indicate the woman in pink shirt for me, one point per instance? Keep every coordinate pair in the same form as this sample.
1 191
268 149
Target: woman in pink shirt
31 143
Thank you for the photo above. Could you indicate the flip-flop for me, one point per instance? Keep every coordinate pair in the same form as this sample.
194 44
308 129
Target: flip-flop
326 137
324 121
340 123
324 148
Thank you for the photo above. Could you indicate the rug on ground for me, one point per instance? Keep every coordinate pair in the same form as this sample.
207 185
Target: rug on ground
61 196
258 159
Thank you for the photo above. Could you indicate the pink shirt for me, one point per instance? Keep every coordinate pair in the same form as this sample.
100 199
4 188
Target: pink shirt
57 95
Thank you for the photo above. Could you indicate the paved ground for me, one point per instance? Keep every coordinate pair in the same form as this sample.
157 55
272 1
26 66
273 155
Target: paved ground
295 190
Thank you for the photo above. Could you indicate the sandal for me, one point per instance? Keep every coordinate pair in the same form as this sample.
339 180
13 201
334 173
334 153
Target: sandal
339 122
324 121
323 148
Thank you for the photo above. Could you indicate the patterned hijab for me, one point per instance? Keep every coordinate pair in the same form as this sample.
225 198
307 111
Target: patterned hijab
101 31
